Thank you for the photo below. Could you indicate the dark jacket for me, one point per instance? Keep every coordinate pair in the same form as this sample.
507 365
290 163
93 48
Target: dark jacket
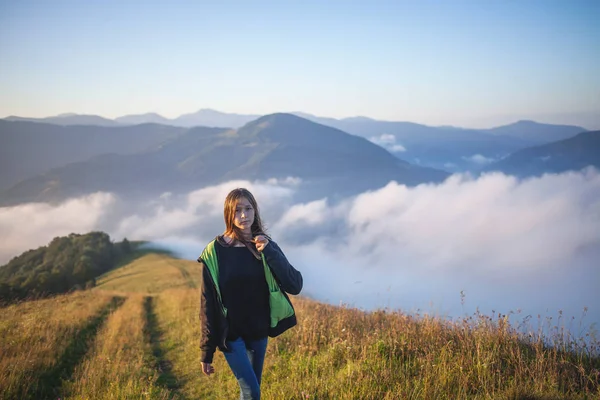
213 322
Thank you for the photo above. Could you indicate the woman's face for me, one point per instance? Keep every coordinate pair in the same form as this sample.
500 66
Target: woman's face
244 215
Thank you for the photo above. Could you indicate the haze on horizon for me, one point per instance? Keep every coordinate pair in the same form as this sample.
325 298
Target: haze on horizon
462 63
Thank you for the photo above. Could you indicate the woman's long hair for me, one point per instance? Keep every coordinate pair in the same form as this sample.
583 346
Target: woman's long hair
233 231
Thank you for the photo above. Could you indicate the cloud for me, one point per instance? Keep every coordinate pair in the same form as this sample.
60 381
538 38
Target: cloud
510 244
313 213
397 148
537 239
385 138
479 159
494 223
200 213
388 141
33 225
289 181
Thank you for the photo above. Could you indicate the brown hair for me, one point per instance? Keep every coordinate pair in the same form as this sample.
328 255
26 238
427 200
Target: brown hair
233 231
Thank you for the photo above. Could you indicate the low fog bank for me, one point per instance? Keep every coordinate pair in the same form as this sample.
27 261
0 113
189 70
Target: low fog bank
527 246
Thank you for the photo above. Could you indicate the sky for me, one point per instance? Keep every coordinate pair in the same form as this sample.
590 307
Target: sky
524 246
462 63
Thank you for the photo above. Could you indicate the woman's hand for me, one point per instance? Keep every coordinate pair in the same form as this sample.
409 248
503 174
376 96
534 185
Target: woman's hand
261 242
207 369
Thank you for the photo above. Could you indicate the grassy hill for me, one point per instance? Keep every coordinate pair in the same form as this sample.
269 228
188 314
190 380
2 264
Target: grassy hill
136 335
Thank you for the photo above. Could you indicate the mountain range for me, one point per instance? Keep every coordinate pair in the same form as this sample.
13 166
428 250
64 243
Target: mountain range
203 117
28 149
329 161
50 162
446 148
575 153
69 119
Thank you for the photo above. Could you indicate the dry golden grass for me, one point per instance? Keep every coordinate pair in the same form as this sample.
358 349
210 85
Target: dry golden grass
177 312
151 273
349 354
37 335
149 348
120 364
342 353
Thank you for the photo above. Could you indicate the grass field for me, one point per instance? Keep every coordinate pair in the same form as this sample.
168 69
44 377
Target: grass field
136 335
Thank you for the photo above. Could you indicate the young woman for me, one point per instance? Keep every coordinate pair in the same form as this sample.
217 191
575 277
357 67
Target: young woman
245 281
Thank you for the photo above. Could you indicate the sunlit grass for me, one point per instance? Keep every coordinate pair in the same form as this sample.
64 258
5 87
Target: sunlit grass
35 336
148 347
177 311
346 353
151 273
120 363
343 353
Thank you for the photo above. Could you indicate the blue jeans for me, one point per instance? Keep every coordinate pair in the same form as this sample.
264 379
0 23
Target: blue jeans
246 360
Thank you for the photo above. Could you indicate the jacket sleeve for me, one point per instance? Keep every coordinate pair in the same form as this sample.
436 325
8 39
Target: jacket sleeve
289 278
208 316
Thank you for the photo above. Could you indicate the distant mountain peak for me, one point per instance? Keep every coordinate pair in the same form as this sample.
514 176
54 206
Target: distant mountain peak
281 115
358 119
148 114
152 114
147 118
528 123
213 118
278 118
209 112
574 153
303 114
536 132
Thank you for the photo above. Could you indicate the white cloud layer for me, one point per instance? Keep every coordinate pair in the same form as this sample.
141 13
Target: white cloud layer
509 244
35 224
388 141
479 159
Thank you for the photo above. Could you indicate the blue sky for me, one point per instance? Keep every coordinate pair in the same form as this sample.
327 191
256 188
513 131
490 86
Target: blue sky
469 63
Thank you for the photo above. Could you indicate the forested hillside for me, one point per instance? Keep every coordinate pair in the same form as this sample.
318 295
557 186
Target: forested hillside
66 263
